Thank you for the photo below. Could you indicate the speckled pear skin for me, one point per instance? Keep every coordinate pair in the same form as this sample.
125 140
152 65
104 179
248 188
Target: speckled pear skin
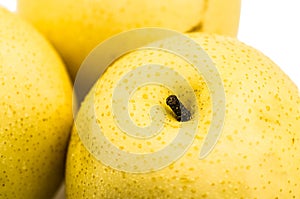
257 155
76 28
36 112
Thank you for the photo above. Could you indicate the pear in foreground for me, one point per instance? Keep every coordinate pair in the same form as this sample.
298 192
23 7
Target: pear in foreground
258 154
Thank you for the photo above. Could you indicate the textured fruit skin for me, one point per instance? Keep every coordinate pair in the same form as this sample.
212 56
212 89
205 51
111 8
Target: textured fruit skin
36 112
76 28
258 154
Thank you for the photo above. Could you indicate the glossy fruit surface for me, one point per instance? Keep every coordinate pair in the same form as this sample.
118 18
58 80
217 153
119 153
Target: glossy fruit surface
36 112
257 155
76 28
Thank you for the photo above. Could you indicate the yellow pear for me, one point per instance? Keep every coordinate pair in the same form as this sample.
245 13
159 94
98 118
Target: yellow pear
36 112
75 28
257 155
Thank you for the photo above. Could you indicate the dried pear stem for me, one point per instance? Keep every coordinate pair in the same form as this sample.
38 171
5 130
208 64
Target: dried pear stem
182 113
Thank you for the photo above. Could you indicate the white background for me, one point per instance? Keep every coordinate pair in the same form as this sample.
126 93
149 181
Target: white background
271 26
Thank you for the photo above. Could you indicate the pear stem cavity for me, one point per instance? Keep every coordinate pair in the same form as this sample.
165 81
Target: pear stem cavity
182 113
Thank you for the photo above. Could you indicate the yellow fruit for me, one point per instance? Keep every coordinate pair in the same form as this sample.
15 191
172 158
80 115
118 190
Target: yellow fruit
76 28
258 154
36 112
